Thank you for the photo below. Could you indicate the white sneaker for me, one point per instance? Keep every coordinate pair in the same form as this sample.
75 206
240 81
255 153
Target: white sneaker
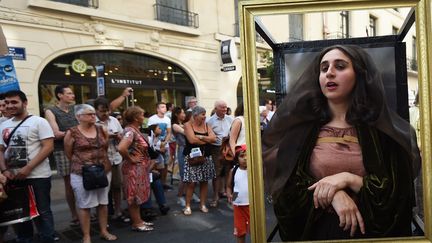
195 198
181 201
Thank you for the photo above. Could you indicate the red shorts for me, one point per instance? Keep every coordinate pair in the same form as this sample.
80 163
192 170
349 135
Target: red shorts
241 220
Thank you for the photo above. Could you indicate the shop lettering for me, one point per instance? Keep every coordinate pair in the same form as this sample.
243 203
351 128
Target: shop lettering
126 81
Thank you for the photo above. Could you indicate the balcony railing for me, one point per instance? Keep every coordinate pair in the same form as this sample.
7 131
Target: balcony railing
176 16
412 64
83 3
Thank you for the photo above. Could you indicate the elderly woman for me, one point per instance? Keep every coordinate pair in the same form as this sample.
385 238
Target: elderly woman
84 144
198 137
136 167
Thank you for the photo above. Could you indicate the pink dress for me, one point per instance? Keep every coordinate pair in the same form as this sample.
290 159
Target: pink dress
337 150
136 183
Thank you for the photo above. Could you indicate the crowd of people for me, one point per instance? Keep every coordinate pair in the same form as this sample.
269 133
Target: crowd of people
338 162
134 150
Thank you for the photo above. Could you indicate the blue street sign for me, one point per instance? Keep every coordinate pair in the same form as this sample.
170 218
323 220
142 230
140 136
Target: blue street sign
17 53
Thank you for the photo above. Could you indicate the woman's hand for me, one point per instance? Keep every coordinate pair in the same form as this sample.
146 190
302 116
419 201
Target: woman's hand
349 215
325 189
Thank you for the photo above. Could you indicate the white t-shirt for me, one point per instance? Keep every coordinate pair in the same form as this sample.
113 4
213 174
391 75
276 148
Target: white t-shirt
241 192
113 126
241 139
25 144
157 120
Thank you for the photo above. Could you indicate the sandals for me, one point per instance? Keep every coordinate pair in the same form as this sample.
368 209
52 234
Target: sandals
147 223
108 237
204 209
143 228
187 211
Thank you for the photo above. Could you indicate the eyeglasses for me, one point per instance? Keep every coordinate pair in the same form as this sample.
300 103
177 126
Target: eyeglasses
89 114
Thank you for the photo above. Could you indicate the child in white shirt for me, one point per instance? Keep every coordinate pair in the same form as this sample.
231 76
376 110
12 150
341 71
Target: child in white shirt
238 195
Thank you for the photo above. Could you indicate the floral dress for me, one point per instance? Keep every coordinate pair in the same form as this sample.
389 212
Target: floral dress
136 183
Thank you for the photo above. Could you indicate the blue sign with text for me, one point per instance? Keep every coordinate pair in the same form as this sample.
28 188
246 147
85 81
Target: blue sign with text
17 53
8 79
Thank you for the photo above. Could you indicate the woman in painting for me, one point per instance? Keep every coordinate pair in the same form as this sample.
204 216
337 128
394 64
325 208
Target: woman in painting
349 171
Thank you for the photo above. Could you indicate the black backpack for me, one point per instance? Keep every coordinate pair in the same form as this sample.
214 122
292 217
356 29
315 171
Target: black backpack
235 168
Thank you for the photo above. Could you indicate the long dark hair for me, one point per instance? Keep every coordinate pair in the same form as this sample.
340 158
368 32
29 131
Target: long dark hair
175 115
362 108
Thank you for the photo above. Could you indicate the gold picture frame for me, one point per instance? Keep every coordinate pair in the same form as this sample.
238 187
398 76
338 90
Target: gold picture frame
248 10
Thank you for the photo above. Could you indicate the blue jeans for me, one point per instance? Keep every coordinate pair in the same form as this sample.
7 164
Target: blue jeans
45 222
180 159
159 193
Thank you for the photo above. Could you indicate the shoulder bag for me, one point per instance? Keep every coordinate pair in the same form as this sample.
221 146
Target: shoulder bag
7 140
93 175
152 153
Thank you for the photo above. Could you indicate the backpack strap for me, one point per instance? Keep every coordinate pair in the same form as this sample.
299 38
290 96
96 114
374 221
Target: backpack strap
235 168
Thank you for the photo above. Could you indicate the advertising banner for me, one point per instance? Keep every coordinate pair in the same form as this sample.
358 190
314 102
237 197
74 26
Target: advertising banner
8 79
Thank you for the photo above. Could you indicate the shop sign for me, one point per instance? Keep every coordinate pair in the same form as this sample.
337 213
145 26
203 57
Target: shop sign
17 53
100 79
225 51
126 81
79 66
229 68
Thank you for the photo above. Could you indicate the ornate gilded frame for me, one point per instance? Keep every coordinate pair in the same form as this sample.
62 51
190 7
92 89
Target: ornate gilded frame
250 9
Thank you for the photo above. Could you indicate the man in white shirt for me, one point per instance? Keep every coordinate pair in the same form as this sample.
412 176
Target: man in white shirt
165 125
220 123
115 131
24 155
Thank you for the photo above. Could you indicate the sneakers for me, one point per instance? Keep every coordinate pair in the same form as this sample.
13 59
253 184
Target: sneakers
195 198
181 201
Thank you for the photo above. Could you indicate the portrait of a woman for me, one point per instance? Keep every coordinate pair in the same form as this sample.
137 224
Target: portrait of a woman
338 162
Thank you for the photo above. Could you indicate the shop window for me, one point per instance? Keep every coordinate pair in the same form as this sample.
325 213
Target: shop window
152 79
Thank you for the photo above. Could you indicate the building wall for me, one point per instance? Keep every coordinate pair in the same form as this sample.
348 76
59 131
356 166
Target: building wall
49 29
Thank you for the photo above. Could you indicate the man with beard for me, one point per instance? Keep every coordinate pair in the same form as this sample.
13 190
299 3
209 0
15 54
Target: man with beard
33 138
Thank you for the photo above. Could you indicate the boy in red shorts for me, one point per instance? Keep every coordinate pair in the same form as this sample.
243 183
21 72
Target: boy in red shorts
238 195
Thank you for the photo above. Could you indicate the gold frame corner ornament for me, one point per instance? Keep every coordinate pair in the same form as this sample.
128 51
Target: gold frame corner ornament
250 9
